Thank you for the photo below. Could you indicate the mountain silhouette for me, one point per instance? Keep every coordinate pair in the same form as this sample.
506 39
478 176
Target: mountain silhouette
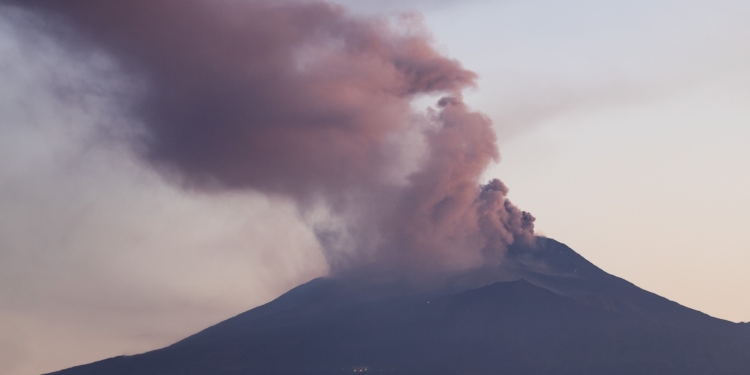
560 315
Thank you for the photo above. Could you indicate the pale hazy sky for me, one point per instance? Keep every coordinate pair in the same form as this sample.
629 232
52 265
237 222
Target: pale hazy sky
624 128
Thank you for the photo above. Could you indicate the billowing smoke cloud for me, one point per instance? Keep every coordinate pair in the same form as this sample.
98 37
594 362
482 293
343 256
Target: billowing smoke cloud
303 100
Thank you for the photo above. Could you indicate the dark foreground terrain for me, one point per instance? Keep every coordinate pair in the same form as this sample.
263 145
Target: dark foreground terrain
561 315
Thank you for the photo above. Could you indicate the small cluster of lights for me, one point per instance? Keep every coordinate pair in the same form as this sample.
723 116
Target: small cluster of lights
368 369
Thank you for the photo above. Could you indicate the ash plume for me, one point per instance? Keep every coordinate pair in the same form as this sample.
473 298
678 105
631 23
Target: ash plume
306 101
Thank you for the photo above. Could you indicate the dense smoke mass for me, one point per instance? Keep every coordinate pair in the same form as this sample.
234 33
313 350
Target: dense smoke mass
306 101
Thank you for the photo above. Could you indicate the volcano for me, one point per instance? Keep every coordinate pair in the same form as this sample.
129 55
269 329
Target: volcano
545 310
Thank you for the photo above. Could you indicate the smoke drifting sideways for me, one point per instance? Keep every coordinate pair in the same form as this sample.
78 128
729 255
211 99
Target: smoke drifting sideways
306 101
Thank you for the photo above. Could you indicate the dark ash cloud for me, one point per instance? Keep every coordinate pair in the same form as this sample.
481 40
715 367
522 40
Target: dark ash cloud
306 101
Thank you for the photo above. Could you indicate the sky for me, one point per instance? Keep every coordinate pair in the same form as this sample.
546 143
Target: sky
623 127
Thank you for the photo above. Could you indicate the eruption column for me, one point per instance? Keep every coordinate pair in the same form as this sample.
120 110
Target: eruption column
306 101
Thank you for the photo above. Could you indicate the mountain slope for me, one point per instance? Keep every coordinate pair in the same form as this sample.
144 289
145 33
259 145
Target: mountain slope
555 266
470 326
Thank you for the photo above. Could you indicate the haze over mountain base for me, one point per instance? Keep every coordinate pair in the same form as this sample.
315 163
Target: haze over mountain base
561 315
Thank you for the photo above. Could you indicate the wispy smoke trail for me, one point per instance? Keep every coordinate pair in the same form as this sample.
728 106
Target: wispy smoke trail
304 100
